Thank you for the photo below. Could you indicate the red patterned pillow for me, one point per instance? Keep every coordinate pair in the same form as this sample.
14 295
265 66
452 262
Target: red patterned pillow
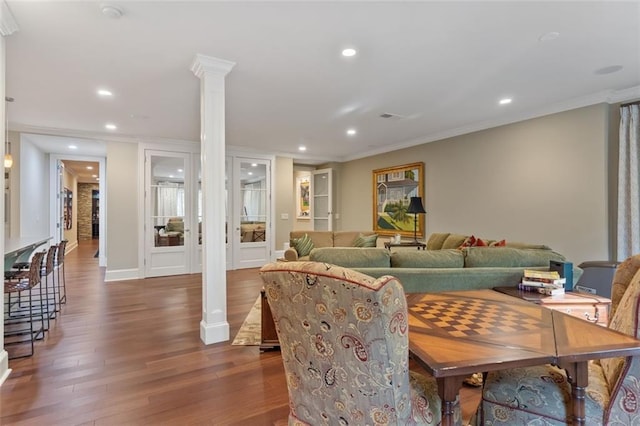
500 243
468 242
481 243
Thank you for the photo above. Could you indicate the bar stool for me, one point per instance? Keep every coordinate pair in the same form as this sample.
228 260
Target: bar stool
16 314
58 264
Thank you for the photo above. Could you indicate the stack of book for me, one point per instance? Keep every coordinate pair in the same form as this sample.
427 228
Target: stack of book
545 282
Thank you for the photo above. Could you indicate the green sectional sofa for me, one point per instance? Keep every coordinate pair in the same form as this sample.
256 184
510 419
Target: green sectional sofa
432 271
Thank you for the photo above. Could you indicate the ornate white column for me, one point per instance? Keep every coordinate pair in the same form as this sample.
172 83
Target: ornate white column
8 26
211 72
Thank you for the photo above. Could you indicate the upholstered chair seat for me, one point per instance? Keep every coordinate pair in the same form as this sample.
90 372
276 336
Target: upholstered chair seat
344 343
542 395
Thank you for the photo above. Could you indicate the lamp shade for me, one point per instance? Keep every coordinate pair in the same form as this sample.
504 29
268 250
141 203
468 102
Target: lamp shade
415 206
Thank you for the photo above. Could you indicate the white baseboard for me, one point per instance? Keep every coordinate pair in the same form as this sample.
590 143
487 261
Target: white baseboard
121 275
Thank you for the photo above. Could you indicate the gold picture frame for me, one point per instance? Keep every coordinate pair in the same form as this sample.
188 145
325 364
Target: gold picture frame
303 209
393 188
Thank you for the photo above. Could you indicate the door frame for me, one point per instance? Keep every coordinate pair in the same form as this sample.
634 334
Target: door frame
193 150
231 157
55 201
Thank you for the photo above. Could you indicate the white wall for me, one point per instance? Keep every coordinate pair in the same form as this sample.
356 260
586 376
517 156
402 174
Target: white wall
34 191
540 181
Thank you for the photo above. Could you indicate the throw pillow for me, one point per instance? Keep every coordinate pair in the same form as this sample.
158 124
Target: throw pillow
468 242
366 240
500 243
481 243
303 245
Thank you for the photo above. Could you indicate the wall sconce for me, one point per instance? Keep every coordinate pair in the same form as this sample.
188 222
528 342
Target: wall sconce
8 159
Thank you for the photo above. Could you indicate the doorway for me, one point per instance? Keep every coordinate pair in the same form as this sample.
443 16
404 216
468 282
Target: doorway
248 212
74 210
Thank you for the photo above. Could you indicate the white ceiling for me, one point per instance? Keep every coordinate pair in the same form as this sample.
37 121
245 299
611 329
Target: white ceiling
441 66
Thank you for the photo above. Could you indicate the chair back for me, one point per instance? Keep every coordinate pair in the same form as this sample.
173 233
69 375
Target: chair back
33 274
62 246
48 267
344 343
623 373
621 280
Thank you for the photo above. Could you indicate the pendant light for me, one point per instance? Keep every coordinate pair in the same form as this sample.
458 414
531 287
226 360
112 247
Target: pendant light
8 159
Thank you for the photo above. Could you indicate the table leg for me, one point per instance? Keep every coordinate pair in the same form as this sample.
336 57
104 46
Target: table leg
448 389
578 374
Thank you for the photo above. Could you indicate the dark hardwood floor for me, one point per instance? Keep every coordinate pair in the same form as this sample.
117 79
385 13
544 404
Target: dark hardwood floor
129 353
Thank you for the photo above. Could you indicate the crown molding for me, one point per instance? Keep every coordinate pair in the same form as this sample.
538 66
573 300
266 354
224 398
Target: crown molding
606 96
209 64
81 134
8 24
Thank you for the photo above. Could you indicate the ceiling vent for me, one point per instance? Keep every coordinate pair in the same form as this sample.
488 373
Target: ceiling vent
390 116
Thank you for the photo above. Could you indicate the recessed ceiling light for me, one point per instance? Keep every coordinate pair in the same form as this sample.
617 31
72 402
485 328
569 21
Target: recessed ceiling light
73 147
351 132
505 101
254 164
552 35
111 10
608 70
250 173
302 148
89 167
170 176
349 52
110 126
104 92
180 170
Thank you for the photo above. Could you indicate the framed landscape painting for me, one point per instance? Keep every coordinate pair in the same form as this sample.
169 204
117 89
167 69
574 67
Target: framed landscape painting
393 188
303 209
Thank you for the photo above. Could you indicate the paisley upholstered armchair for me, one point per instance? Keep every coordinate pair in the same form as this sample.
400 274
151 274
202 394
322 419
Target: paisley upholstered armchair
542 395
344 343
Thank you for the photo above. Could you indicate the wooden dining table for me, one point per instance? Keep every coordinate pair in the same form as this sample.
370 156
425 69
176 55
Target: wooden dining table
455 334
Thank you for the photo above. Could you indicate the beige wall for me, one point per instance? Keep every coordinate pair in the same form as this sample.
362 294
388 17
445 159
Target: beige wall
542 180
122 206
284 200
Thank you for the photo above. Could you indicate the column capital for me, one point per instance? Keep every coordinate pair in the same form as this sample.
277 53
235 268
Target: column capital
8 24
209 65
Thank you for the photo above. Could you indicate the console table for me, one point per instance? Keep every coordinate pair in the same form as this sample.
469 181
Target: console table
418 244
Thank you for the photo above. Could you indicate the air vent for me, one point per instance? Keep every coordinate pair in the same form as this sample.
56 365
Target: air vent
390 116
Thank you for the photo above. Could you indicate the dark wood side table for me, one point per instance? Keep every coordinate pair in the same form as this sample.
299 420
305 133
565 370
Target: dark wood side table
388 244
268 335
589 307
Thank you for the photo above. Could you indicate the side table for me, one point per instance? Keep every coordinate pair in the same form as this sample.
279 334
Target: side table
589 307
268 334
388 245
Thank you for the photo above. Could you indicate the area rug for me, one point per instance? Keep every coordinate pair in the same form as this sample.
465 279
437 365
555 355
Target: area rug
249 333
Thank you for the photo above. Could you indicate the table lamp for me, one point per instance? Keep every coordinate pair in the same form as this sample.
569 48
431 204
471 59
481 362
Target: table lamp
415 207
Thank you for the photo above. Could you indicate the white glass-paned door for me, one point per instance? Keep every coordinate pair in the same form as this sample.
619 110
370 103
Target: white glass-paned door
251 210
167 202
322 204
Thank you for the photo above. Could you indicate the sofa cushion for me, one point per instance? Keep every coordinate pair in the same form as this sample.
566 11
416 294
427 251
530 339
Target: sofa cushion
453 241
366 240
436 240
303 245
508 257
351 257
450 258
319 238
346 238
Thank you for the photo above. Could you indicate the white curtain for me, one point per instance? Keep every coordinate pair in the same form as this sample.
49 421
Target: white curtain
628 238
254 201
170 199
